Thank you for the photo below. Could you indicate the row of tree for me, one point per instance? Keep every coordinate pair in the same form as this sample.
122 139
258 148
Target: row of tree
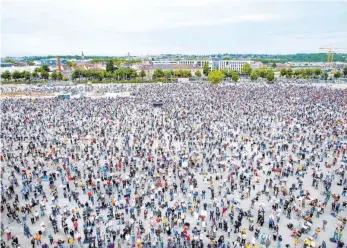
159 73
129 74
28 76
217 76
119 74
308 73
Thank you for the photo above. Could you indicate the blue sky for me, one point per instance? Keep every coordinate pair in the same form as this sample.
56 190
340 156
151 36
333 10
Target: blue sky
141 27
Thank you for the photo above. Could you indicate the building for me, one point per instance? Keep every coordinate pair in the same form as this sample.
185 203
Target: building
5 64
257 65
80 61
235 65
164 62
53 62
282 66
196 63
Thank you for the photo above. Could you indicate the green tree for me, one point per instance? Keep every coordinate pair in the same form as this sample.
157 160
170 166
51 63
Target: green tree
142 74
167 74
179 73
289 73
11 61
187 73
44 74
215 76
325 75
198 73
337 74
54 76
75 74
158 73
98 75
27 75
309 72
345 71
318 72
60 76
16 75
226 58
270 75
297 73
108 75
254 75
133 73
206 69
119 74
246 69
235 76
6 75
274 65
262 73
110 66
283 72
35 75
30 63
38 69
45 68
71 63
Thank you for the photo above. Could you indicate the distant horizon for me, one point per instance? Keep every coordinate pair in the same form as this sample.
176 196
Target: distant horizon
185 54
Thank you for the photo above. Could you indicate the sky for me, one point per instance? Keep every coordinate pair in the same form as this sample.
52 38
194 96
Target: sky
152 27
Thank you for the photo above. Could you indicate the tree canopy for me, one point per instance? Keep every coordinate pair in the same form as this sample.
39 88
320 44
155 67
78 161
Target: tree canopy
44 74
110 66
142 74
246 69
254 75
11 61
206 69
198 73
337 74
216 76
235 76
270 75
6 75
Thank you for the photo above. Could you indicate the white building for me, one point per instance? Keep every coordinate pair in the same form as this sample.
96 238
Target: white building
195 63
218 65
235 65
164 62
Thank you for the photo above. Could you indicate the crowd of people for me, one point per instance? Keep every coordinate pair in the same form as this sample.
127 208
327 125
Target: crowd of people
210 166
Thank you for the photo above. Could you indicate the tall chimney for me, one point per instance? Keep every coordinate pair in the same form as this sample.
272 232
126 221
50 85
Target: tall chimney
59 65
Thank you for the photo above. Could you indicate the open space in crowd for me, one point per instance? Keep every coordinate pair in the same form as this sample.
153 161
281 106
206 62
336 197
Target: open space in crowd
175 165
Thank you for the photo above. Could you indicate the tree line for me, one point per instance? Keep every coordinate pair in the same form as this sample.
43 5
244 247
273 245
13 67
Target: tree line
41 73
118 74
310 73
159 73
217 76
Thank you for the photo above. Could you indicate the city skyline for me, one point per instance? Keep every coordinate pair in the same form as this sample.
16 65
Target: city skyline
37 27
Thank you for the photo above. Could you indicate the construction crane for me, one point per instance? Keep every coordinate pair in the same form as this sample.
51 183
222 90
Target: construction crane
331 50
